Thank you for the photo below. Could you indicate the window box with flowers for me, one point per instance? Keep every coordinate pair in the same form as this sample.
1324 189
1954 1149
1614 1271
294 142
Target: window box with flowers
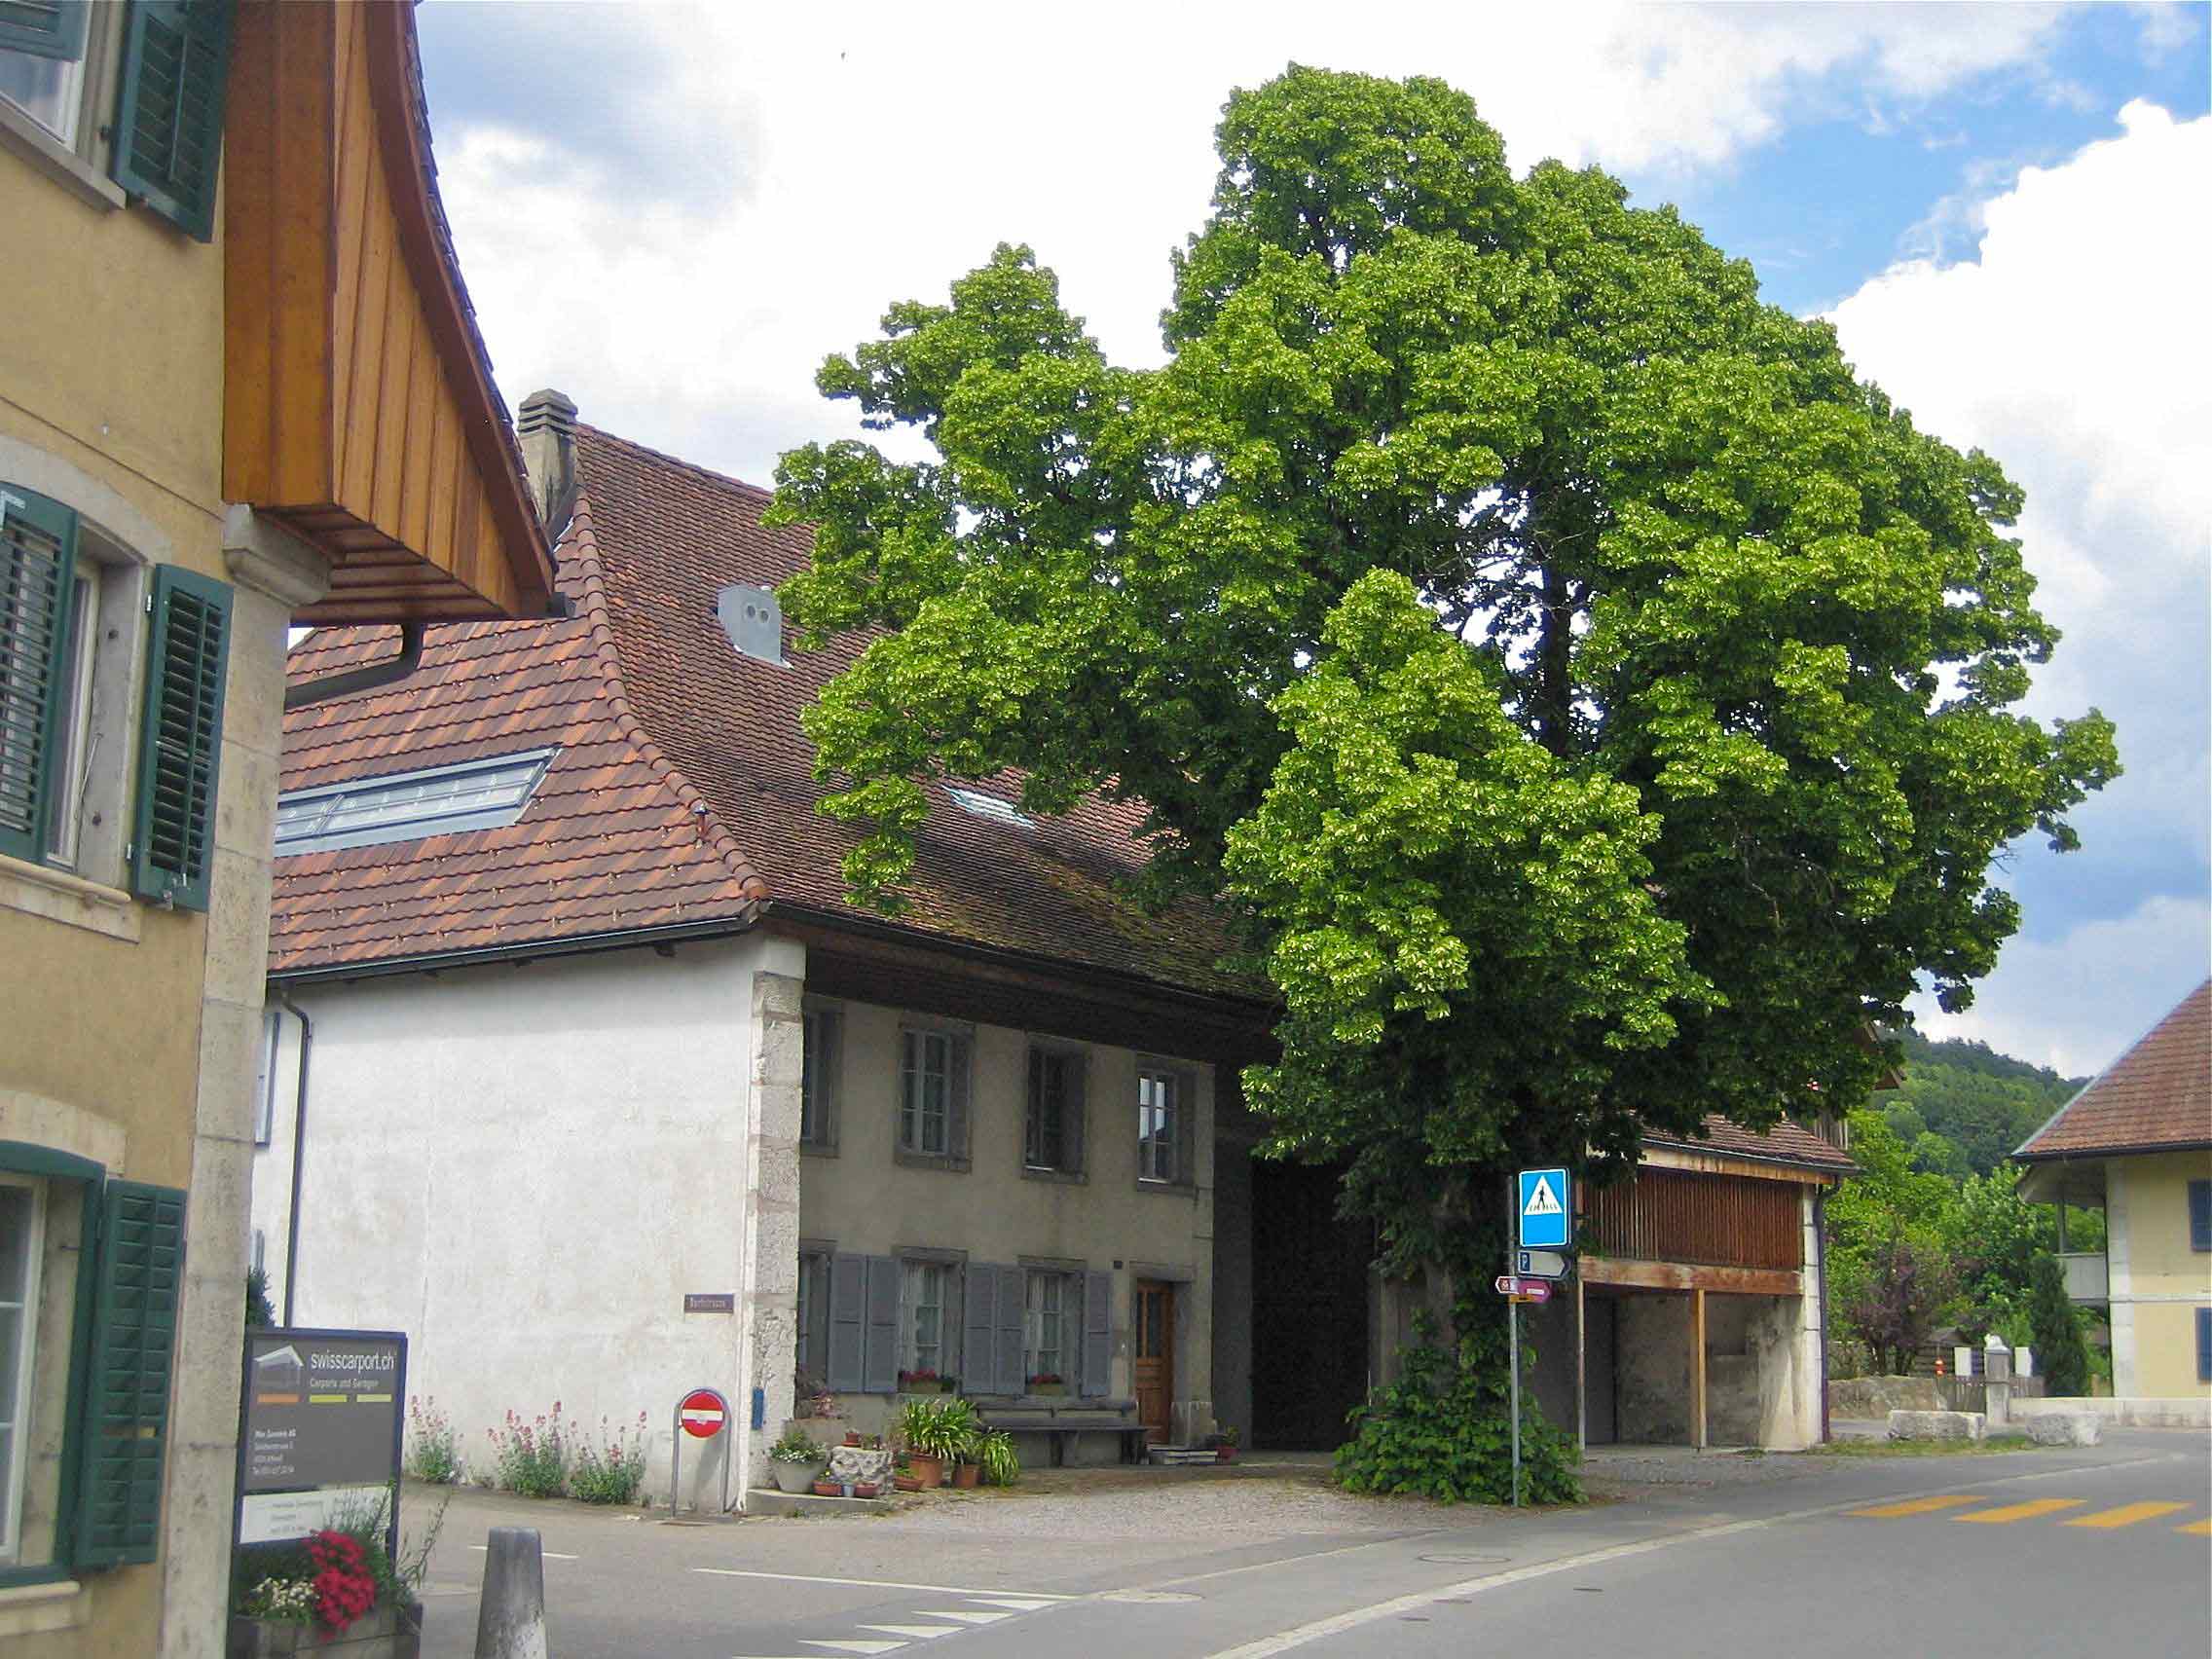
927 1382
336 1591
1048 1382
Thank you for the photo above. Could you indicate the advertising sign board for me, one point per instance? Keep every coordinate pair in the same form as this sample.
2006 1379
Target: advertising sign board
320 1428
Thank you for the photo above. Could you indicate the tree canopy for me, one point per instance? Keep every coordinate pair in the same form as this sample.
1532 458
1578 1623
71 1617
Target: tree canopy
1593 703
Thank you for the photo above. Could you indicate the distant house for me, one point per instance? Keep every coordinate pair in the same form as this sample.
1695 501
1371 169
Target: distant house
2137 1144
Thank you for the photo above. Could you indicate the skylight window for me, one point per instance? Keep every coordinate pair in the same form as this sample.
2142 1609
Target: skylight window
405 806
985 807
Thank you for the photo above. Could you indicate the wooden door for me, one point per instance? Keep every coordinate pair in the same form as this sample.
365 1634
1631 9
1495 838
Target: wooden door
1155 1366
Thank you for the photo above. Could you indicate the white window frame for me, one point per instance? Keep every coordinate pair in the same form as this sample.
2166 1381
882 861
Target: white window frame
916 1274
91 93
265 1085
21 1300
915 1043
1035 1294
1160 1103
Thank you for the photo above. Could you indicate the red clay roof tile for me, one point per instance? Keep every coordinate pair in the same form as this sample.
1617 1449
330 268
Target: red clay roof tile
2156 1096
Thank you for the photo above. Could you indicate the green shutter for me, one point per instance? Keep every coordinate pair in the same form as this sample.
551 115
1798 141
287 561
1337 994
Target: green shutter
126 1398
168 126
180 738
45 28
38 559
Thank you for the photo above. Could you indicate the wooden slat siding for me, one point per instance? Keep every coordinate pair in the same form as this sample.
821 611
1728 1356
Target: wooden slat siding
399 327
1666 1215
425 394
250 252
379 241
356 153
304 274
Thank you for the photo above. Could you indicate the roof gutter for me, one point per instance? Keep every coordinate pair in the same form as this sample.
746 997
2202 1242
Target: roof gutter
588 944
351 682
2089 1154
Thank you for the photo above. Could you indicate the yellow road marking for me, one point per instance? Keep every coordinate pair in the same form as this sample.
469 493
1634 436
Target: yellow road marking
2203 1528
2021 1511
2127 1515
1920 1505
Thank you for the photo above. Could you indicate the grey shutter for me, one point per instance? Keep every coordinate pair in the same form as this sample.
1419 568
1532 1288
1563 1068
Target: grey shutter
879 1366
1077 1112
180 738
978 1301
1097 1333
168 125
2201 1215
957 1049
1010 1349
848 1322
2204 1345
814 1341
1185 1127
45 28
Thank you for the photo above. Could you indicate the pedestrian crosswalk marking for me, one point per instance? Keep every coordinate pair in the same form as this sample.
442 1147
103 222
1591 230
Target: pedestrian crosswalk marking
2127 1515
919 1632
964 1618
1009 1602
1920 1505
2028 1511
2201 1528
859 1647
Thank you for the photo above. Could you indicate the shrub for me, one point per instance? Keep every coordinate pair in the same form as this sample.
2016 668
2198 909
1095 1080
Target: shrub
530 1458
2060 1353
941 1427
433 1444
994 1454
611 1469
259 1314
1444 1431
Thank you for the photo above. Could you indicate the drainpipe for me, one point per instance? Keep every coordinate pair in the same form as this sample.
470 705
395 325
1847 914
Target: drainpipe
299 1151
1819 1266
352 680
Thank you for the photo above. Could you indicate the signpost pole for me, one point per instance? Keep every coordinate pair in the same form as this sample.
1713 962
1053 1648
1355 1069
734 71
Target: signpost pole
1513 1329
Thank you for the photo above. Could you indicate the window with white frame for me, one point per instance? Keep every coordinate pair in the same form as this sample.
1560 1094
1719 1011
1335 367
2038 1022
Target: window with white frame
22 1211
265 1085
932 1095
1160 1109
1051 1326
821 1050
924 1307
1052 1135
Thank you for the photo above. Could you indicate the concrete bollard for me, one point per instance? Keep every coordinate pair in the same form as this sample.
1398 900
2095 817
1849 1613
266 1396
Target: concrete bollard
510 1618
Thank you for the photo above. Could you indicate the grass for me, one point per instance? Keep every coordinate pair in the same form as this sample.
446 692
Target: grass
1922 1448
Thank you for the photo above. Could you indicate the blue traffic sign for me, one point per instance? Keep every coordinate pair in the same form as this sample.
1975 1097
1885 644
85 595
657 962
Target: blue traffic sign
1546 1217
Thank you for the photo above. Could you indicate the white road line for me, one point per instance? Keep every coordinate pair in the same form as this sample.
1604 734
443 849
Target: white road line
919 1633
964 1618
1020 1605
549 1555
859 1647
1282 1641
1038 1598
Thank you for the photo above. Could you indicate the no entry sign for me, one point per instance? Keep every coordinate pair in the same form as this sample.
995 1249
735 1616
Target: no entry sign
703 1413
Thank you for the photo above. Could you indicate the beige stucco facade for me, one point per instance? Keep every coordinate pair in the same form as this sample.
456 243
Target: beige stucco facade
127 1031
2156 1281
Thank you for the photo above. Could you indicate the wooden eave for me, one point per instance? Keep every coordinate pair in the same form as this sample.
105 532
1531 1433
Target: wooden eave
358 407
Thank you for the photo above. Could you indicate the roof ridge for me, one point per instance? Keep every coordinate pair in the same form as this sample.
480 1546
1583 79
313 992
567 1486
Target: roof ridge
583 544
677 462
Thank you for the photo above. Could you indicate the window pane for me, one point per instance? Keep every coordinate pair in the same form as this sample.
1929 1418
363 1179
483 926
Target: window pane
19 1247
809 1082
45 88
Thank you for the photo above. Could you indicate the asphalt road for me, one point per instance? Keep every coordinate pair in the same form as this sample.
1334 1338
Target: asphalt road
2094 1551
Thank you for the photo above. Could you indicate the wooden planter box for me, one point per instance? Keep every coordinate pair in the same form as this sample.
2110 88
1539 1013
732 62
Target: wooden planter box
387 1632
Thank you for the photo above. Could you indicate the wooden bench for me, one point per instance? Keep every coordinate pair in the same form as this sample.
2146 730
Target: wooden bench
1060 1424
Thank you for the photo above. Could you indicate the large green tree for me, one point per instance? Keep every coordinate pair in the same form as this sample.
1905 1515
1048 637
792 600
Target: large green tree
1595 704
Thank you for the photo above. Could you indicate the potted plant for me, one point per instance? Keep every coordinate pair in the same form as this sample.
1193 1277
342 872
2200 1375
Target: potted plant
967 1472
996 1459
903 1478
935 1433
1048 1382
922 1381
1225 1446
336 1589
794 1461
828 1488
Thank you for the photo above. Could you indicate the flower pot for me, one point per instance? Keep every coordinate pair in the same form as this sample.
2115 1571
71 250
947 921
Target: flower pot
383 1633
965 1475
905 1483
795 1477
930 1471
1225 1453
852 1438
828 1488
1046 1390
865 1489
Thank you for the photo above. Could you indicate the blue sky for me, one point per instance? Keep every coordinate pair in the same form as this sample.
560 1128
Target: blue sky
673 213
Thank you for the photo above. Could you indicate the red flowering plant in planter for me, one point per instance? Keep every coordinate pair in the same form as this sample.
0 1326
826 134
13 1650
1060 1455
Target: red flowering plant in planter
344 1590
333 1578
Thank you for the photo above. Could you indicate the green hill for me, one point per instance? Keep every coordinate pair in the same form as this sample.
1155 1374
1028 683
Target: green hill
1964 1106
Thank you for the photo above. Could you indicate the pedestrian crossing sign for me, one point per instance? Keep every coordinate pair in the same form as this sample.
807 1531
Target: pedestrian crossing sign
1545 1222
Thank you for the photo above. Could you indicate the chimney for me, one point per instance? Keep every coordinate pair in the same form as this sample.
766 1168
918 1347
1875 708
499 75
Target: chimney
547 430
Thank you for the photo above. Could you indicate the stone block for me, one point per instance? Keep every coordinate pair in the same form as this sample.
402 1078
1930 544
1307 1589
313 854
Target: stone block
2064 1428
1937 1426
1878 1396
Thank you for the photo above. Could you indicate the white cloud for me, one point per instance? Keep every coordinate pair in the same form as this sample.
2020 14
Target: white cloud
809 166
2075 1005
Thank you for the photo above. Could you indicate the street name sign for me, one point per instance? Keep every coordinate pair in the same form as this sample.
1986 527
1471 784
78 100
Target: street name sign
1524 1289
1539 1263
1545 1220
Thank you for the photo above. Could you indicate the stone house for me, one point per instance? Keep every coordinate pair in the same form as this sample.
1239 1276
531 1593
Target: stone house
220 419
607 1092
2136 1143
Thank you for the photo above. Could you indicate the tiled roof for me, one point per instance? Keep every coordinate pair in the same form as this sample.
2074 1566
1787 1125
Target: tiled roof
1785 1143
609 842
683 791
2158 1095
